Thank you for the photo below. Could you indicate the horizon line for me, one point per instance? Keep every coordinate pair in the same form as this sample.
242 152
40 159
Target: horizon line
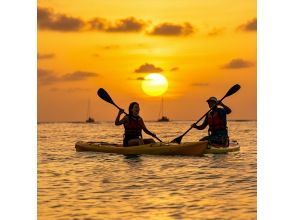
39 122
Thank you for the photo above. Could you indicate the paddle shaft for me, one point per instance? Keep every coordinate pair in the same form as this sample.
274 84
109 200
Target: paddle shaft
120 109
231 91
202 117
106 97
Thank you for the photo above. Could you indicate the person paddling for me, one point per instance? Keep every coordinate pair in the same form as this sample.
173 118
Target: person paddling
133 125
217 121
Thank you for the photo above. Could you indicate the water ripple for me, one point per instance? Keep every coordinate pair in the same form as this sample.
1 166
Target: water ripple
86 185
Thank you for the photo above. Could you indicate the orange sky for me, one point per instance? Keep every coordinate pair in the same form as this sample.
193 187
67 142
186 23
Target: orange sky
201 47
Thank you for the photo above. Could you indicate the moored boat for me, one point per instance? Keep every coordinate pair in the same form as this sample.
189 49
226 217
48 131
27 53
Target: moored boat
90 120
163 119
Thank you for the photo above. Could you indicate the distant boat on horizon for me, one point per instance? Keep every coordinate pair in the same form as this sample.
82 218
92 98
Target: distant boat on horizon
90 119
162 118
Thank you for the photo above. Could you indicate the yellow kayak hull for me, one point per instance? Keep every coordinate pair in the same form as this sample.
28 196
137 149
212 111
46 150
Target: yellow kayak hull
234 146
188 149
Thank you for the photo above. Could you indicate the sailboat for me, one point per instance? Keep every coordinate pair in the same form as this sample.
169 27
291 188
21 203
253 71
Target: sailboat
89 120
162 118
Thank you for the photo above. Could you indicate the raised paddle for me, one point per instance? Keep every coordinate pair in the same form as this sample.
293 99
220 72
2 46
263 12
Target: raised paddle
231 91
106 97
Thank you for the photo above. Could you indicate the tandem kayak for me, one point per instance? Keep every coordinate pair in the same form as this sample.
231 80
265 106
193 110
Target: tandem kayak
188 149
234 146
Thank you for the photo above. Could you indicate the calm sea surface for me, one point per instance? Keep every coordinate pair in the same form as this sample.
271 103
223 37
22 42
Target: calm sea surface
89 185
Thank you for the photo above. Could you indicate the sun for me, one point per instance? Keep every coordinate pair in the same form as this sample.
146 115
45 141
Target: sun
154 84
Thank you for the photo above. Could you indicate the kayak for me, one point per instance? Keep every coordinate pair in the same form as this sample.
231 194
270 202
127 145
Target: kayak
188 149
234 146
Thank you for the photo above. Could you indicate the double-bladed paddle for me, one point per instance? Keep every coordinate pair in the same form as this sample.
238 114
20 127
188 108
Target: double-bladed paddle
106 97
231 91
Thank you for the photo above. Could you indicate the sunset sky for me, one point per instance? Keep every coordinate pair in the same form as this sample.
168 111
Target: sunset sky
202 48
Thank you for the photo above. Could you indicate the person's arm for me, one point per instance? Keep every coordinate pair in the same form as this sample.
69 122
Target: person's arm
145 129
201 127
117 120
226 108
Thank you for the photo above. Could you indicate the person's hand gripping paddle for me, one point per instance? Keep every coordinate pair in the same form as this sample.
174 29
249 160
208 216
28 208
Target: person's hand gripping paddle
231 91
106 97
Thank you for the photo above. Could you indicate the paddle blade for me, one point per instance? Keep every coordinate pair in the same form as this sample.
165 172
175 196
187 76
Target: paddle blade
233 90
177 140
104 95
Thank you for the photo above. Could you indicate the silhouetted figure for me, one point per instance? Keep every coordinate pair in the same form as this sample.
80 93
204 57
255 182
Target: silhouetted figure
133 125
216 119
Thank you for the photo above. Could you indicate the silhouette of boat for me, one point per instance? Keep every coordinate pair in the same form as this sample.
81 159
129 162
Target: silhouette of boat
162 118
90 119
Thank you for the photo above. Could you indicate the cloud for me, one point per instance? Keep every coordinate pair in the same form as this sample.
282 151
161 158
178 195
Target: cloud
45 56
46 77
174 69
249 25
138 78
148 68
78 75
199 84
216 32
237 64
48 20
99 24
130 24
168 29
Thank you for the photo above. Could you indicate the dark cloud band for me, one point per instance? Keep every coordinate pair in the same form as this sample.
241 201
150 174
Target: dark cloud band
48 20
237 64
148 68
168 29
46 77
45 56
249 26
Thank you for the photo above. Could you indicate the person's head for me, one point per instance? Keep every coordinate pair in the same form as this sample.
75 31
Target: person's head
134 109
212 101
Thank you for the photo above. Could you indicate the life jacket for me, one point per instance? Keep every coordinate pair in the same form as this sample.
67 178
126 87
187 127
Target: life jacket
217 120
133 128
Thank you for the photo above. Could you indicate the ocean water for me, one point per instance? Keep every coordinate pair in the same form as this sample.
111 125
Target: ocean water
89 185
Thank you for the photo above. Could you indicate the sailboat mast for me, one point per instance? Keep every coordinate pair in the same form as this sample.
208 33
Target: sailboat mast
88 108
161 108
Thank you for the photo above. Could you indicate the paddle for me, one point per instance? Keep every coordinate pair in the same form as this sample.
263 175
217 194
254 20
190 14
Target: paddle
106 97
231 91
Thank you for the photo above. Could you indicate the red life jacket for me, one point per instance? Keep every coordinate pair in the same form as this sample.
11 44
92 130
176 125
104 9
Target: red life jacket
216 120
133 128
